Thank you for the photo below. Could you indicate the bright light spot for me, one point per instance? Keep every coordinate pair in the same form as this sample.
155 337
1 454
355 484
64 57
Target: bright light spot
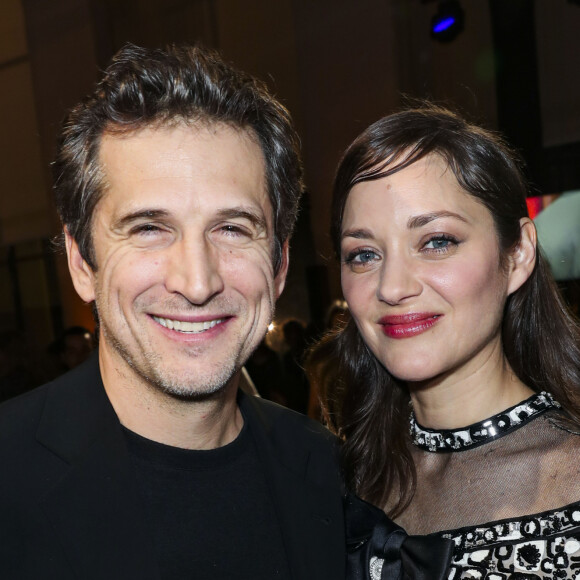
271 327
444 24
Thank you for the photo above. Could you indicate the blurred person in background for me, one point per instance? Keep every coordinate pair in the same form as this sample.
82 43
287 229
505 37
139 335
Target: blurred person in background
71 348
296 385
318 363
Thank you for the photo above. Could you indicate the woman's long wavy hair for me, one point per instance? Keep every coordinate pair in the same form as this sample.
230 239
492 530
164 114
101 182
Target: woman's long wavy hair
362 402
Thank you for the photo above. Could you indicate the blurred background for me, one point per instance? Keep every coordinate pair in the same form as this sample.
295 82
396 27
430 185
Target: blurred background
338 65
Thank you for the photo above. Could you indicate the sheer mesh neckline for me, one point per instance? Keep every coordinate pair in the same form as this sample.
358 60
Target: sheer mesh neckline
449 440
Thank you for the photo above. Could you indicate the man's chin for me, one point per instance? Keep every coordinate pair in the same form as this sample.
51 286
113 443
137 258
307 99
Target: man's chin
179 389
191 395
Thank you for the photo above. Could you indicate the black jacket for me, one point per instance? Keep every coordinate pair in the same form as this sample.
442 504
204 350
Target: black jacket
69 505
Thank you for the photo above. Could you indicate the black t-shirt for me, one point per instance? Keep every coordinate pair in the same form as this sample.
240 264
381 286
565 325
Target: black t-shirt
211 512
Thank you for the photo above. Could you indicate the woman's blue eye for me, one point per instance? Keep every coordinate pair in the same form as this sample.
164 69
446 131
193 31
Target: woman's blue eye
366 256
361 257
439 243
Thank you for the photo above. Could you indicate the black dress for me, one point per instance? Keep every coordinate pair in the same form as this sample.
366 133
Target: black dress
506 491
379 549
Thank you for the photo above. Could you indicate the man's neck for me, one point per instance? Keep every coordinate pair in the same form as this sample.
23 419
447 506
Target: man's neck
144 409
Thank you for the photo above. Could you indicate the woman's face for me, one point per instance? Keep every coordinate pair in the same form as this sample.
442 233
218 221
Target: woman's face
421 273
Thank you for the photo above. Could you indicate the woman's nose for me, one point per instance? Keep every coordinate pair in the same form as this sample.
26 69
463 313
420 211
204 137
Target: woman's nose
398 280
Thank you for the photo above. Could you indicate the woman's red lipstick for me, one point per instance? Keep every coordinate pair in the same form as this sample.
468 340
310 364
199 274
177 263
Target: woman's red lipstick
407 325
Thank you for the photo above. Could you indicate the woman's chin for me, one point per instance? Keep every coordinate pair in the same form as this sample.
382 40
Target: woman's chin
411 378
416 370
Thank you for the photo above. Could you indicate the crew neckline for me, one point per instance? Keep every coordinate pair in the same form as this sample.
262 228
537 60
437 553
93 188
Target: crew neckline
490 429
180 458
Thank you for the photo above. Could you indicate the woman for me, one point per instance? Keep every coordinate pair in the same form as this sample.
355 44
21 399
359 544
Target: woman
457 385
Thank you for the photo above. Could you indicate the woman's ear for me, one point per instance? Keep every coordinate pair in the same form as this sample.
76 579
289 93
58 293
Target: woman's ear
82 275
523 257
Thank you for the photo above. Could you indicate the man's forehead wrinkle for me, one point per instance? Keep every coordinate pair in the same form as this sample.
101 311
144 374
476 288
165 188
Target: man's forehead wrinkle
168 164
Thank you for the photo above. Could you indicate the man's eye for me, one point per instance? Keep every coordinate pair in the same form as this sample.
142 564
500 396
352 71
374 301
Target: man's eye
145 229
233 230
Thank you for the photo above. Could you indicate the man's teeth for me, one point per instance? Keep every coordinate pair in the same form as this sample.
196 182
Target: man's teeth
191 327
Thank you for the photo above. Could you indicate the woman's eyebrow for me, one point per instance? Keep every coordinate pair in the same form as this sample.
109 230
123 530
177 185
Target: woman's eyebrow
359 234
422 220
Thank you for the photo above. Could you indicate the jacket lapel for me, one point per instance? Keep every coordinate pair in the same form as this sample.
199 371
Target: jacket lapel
94 508
305 491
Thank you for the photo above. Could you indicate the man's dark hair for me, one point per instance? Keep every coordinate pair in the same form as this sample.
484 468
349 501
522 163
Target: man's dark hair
152 87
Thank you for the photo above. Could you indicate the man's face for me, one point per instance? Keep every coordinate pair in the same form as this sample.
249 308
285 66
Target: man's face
184 283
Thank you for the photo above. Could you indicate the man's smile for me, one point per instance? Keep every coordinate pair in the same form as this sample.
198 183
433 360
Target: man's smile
187 327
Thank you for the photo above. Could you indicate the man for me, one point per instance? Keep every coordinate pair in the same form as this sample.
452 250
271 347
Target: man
177 182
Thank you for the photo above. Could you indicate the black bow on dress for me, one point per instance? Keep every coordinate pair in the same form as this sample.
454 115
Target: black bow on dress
379 549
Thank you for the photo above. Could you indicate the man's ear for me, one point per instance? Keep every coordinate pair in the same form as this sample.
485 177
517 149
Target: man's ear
523 257
81 273
280 279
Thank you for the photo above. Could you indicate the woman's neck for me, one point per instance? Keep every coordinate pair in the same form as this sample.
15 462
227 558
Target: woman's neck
468 395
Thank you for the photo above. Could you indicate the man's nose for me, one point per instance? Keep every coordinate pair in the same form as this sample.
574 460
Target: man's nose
398 280
194 271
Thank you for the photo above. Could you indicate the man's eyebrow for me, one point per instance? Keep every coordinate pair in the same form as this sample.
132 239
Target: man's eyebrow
257 219
422 220
138 215
227 213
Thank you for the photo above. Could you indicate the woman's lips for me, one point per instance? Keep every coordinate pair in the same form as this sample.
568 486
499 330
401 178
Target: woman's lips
407 325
